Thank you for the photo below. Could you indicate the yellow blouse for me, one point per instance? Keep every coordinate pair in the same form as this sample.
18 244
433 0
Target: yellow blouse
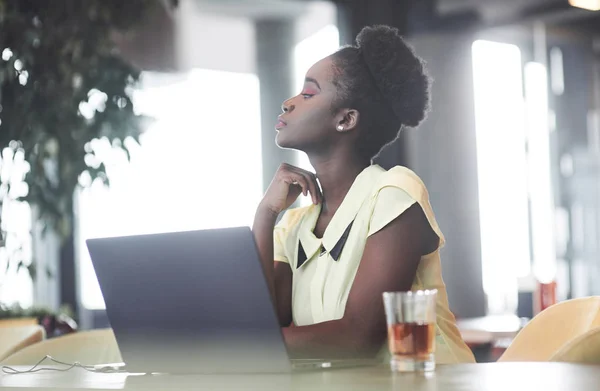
324 268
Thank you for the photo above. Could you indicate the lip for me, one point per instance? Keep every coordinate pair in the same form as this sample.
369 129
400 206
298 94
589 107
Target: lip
280 123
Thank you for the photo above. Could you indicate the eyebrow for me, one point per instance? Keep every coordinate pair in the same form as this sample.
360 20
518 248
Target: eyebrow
311 80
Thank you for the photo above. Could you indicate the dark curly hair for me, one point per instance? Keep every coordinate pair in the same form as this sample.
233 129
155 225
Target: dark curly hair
382 78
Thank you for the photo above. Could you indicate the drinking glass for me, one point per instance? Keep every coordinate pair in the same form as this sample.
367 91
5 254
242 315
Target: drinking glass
411 329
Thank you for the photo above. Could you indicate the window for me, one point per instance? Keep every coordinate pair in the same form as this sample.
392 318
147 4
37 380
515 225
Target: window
16 285
502 171
540 185
199 165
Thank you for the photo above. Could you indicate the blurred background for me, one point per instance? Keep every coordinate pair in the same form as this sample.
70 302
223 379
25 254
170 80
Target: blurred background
154 116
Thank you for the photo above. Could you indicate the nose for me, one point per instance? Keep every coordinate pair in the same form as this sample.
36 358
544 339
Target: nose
287 106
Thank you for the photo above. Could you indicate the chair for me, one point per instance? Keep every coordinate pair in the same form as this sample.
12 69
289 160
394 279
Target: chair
13 339
554 328
584 350
87 347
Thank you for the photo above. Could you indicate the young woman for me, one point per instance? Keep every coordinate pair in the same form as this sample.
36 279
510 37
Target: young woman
368 230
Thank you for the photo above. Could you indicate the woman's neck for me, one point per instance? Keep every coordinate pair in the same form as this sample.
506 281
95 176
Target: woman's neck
336 175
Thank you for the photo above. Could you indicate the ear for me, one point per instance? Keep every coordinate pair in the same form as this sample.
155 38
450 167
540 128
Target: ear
347 120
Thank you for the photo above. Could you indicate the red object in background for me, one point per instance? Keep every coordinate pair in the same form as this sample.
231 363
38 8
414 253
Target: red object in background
544 296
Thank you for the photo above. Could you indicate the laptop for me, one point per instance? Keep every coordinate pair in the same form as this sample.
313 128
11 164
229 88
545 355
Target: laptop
193 302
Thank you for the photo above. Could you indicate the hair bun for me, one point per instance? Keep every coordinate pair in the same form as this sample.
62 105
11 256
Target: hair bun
397 71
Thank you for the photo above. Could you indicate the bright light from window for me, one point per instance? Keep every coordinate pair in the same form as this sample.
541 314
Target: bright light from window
199 166
16 285
540 186
501 164
557 74
312 49
306 53
592 5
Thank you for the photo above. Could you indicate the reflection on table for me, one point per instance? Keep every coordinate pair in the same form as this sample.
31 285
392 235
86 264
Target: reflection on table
476 377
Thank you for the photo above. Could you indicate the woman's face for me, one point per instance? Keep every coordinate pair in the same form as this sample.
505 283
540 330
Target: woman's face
308 123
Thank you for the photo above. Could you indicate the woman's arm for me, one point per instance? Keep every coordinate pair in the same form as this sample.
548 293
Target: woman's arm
289 182
277 274
389 263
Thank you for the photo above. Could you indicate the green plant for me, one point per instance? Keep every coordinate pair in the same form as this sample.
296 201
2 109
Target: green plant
62 85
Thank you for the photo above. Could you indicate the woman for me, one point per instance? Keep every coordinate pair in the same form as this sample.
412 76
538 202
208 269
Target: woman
368 230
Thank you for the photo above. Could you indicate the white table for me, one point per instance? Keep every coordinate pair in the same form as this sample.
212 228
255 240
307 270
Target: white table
489 329
475 377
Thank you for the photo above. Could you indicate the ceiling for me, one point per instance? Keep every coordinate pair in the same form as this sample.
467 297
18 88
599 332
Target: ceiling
509 11
278 8
255 9
450 13
487 6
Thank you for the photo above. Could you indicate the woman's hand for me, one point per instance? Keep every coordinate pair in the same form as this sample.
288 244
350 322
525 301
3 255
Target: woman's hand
286 186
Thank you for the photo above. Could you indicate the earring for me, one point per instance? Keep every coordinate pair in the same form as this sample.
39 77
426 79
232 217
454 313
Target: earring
340 128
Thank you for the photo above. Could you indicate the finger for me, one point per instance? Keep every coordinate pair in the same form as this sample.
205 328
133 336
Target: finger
294 185
300 180
311 179
318 188
314 188
298 170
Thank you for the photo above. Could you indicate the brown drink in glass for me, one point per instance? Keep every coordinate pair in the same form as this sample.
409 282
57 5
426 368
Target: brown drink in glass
411 329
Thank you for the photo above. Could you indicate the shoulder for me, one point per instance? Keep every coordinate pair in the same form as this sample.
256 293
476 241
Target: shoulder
405 179
393 194
396 191
408 181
